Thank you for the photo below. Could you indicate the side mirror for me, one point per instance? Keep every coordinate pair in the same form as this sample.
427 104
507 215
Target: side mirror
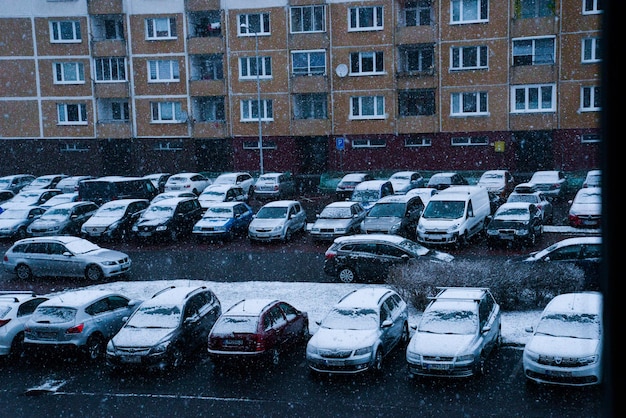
386 323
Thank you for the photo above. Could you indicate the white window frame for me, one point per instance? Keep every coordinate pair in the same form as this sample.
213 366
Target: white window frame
111 66
417 8
249 110
592 7
459 53
63 110
459 101
308 56
160 112
246 27
458 11
529 9
591 50
368 143
58 28
373 59
163 71
590 138
463 141
155 31
534 90
533 50
312 12
417 142
354 18
64 71
590 99
359 104
248 64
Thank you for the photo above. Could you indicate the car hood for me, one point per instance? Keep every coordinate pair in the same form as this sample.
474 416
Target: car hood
140 337
331 223
99 222
440 224
10 223
47 224
105 253
341 339
214 221
267 223
382 222
400 186
448 345
562 346
152 222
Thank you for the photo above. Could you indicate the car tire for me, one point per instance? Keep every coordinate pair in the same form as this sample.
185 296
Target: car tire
16 351
479 367
21 234
377 365
346 275
94 349
23 272
288 234
274 356
93 273
176 358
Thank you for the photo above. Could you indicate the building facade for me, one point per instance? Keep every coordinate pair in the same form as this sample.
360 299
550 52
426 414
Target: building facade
140 86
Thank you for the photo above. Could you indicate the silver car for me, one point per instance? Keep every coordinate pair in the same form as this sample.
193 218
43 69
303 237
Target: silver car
16 307
83 319
338 219
14 221
277 221
64 256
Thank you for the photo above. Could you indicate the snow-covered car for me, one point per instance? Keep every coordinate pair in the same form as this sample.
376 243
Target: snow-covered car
171 195
585 209
498 182
114 220
458 330
274 186
518 223
189 182
425 193
359 331
553 183
48 181
346 185
14 221
566 343
224 221
371 191
403 181
527 192
277 221
29 198
60 198
62 219
158 180
444 180
394 214
168 219
70 184
593 178
239 178
338 219
16 307
217 193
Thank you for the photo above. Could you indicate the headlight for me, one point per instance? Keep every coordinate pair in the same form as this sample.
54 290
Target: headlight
311 349
395 228
465 358
421 228
584 361
110 347
413 357
160 348
341 230
453 228
521 232
531 355
362 351
492 232
161 228
277 228
109 263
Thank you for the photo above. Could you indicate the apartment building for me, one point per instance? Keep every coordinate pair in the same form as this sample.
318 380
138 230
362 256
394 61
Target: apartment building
139 86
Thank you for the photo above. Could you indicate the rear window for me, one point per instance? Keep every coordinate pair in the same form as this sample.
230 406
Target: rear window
53 314
235 324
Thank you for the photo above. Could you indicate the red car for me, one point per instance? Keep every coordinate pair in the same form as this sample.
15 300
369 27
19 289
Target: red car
257 329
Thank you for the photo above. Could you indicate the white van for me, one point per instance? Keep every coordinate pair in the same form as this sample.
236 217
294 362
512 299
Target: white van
454 215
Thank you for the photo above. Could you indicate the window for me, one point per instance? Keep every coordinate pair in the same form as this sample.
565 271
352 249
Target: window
417 142
250 110
111 69
367 107
107 27
163 71
69 73
588 138
113 110
362 63
113 29
417 12
249 66
207 67
161 28
310 106
592 7
168 146
366 18
469 11
255 144
469 140
210 109
65 32
534 8
72 114
416 102
590 99
468 57
416 58
533 98
308 62
369 143
254 24
591 50
166 112
533 51
308 18
469 104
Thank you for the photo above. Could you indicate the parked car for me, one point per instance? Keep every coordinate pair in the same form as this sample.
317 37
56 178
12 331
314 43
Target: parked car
371 191
403 181
566 346
519 223
497 182
338 219
15 182
114 220
49 181
14 221
444 180
458 330
16 307
394 214
552 183
528 193
105 189
346 185
158 180
70 184
369 257
191 182
239 178
217 193
275 186
165 330
62 219
30 198
585 209
167 220
224 221
278 220
6 195
58 199
171 195
425 193
359 331
82 320
593 178
257 329
64 256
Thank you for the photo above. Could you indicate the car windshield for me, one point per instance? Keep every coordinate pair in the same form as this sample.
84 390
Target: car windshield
511 213
588 197
53 314
405 177
111 211
14 214
212 195
366 195
225 180
381 210
54 214
449 209
158 212
158 316
217 212
26 197
451 320
351 318
414 247
235 324
272 212
81 246
527 198
60 198
336 213
571 324
39 183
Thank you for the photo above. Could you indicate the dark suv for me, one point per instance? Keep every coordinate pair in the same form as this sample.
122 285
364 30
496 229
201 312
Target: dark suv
168 219
105 189
395 214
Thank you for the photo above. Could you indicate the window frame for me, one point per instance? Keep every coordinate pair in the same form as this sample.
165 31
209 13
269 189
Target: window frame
368 143
310 69
590 94
152 32
354 18
361 59
244 26
63 117
106 108
425 55
316 108
540 8
460 141
526 88
158 109
60 71
591 7
313 17
480 97
594 48
248 63
358 102
247 107
100 68
533 51
417 142
457 18
155 67
458 53
417 7
213 106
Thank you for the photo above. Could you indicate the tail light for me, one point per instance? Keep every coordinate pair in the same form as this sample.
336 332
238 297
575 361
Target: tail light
276 187
330 254
75 330
3 322
259 343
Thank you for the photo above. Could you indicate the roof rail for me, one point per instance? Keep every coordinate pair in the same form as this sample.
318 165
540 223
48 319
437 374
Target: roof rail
163 290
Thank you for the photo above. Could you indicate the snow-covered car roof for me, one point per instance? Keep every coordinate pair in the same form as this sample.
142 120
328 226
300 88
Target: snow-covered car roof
250 307
78 298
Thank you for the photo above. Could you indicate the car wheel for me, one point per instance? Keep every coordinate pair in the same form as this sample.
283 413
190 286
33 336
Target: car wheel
23 272
17 347
274 356
461 241
94 349
21 233
377 366
532 239
173 235
288 235
479 367
346 275
176 358
404 338
94 273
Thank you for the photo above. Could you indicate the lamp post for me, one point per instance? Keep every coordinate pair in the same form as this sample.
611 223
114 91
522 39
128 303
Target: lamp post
258 92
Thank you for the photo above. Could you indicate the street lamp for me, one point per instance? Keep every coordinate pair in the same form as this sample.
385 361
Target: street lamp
258 91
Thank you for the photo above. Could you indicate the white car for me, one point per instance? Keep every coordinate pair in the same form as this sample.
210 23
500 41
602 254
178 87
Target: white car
16 307
189 182
425 193
498 182
243 179
552 183
566 344
277 221
403 181
585 209
218 193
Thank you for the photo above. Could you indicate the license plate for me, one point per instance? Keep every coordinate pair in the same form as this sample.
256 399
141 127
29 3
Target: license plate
333 362
507 237
130 359
588 222
438 367
558 373
233 342
47 335
144 234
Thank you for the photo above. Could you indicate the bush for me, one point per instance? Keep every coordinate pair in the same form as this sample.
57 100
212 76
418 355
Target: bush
514 286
